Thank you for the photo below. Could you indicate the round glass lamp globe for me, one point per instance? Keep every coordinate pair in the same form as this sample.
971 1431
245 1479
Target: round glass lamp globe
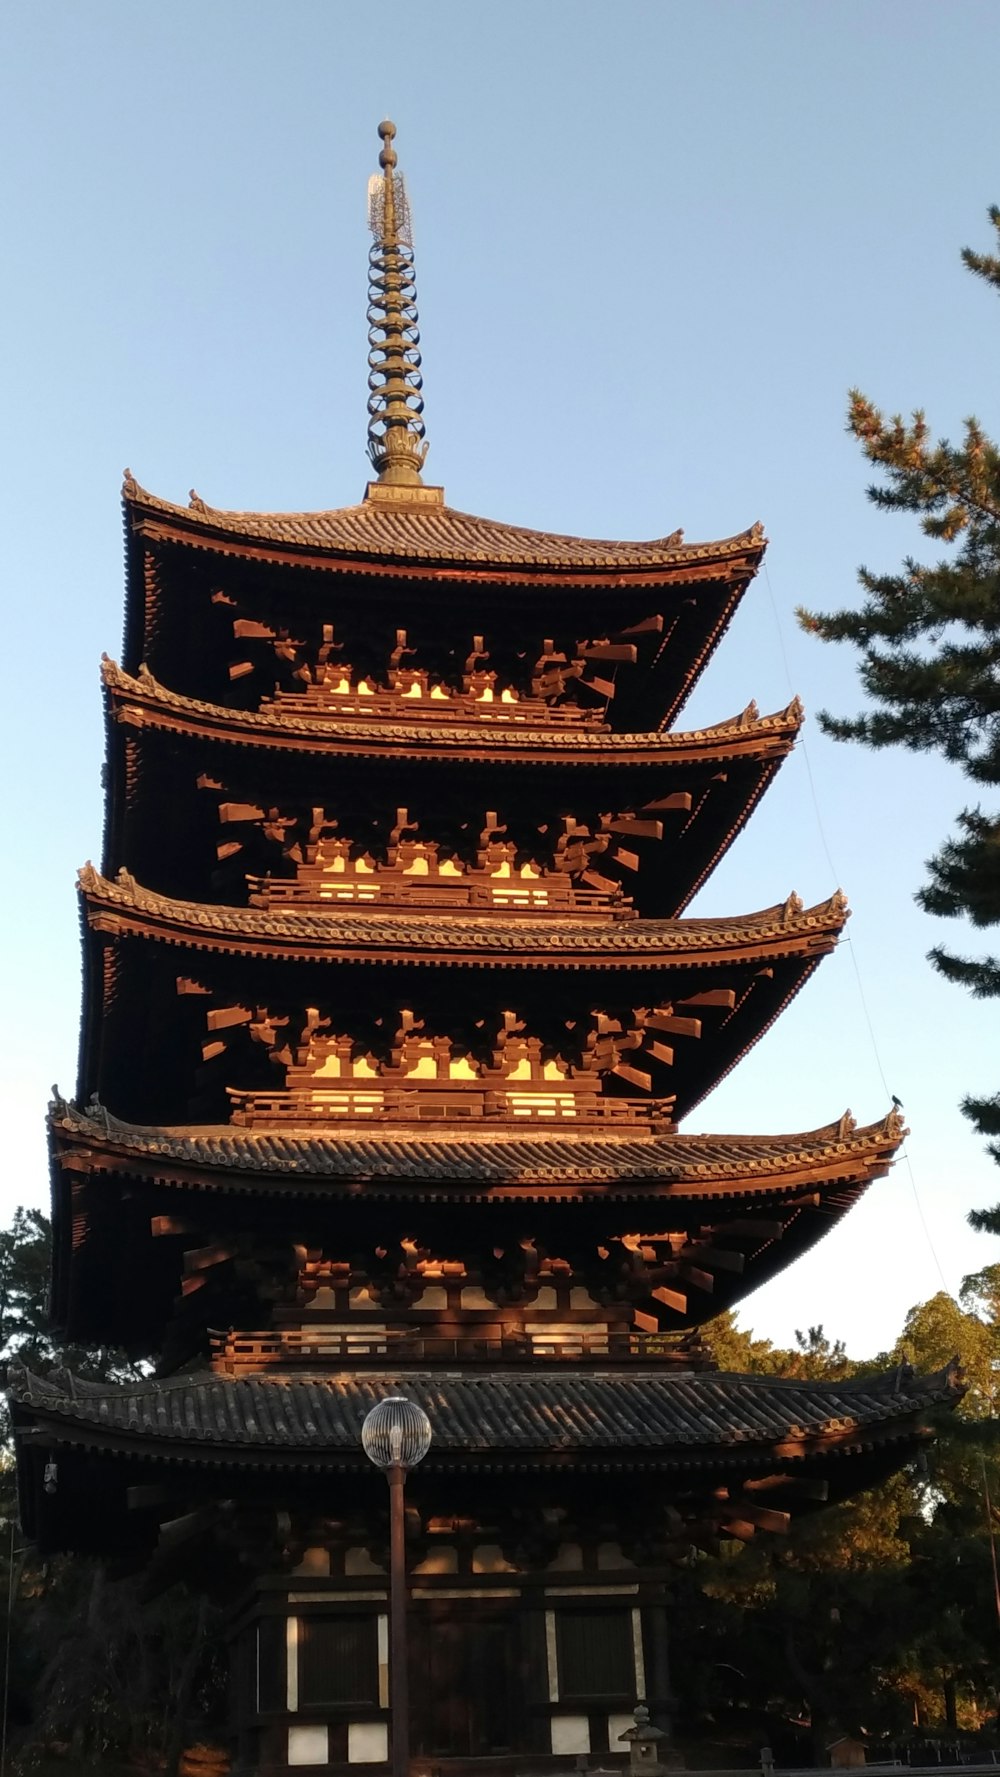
396 1432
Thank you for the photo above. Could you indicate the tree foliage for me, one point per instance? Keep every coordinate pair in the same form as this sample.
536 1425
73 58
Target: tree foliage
101 1677
928 637
876 1617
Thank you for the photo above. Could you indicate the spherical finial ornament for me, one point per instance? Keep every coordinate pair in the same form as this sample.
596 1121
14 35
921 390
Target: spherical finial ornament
396 1433
387 154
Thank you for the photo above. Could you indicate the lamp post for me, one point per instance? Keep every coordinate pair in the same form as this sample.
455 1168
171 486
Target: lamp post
395 1436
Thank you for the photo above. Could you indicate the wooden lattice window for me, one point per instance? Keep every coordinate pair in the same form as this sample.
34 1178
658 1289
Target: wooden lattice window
338 1660
595 1654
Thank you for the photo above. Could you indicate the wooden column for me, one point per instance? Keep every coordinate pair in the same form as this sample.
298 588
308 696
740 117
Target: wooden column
660 1691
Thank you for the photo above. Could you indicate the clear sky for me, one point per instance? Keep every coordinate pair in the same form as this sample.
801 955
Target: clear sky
656 242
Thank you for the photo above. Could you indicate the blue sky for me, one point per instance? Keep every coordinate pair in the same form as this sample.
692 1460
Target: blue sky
655 245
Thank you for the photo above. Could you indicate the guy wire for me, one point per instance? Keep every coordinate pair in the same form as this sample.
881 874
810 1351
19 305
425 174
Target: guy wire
905 1156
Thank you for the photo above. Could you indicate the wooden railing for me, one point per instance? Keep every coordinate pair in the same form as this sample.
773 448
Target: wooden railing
397 707
550 895
315 1349
374 1103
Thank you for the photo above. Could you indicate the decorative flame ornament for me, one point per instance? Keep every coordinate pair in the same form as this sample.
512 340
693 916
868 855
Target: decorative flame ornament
396 443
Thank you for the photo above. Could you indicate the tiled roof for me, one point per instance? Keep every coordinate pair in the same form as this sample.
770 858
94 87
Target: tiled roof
788 928
746 732
668 1419
689 1163
427 532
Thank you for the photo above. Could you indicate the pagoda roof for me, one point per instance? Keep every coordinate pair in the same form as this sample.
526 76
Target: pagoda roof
431 938
707 781
671 1422
486 1165
142 701
415 533
752 1204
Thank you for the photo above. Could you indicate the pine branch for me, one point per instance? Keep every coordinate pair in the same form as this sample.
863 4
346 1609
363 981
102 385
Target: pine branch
984 1113
985 265
928 645
965 873
979 975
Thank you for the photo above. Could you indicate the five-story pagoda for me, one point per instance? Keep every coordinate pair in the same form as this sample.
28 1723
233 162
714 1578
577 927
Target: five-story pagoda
390 1017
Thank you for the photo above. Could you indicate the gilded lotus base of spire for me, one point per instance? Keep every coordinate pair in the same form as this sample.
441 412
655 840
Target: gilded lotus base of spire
387 493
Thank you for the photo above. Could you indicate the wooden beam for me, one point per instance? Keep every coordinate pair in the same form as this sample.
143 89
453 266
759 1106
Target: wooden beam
625 651
676 1026
648 626
804 1489
180 1530
247 628
202 1258
722 997
760 1230
740 1529
679 803
634 1076
606 884
160 1225
719 1258
659 1052
670 1298
223 1017
764 1517
634 828
146 1497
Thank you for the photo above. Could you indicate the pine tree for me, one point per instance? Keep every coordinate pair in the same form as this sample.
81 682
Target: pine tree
929 644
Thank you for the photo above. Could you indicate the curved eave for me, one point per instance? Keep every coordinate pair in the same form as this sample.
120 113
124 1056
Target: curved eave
122 908
436 542
141 702
767 1200
670 1424
733 761
495 1167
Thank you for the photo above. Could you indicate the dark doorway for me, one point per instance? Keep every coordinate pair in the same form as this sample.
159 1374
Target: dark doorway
464 1687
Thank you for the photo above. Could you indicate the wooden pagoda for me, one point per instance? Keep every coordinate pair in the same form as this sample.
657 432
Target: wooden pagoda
390 1016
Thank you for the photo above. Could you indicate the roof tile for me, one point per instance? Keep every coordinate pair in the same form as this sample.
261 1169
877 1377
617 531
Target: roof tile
431 532
665 1417
485 1159
462 935
444 739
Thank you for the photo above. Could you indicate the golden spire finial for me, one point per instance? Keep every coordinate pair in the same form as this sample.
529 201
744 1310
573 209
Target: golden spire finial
395 402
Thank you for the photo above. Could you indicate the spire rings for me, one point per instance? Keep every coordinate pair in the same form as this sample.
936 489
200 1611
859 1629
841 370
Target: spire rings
396 433
395 379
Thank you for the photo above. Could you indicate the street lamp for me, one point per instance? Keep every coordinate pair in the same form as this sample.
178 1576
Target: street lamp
395 1436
